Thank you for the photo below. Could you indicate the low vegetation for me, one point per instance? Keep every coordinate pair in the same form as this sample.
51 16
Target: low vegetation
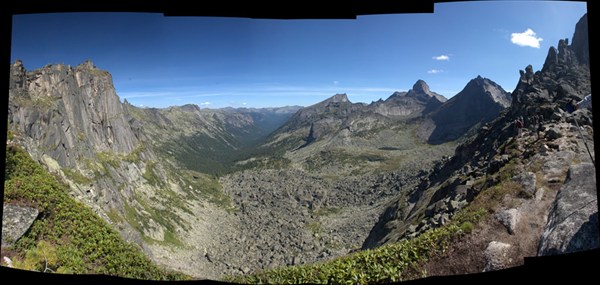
68 237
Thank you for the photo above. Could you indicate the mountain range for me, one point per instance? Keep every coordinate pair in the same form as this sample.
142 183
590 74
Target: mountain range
215 192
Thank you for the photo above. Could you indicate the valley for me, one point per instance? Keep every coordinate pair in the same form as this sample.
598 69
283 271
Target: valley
240 193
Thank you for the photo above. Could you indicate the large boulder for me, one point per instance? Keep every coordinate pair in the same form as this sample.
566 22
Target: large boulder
16 220
573 220
496 256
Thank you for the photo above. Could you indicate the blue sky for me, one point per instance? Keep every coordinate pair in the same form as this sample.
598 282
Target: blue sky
159 61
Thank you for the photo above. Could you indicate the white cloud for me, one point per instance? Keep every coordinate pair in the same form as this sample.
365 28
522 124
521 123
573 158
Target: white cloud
526 39
205 103
335 82
244 103
434 71
442 57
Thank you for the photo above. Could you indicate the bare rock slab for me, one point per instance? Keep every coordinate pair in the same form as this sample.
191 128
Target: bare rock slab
16 220
573 220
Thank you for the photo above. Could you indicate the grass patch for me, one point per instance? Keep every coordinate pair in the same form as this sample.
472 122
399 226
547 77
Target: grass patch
134 156
108 158
326 211
202 186
171 238
68 234
150 174
315 227
76 176
114 216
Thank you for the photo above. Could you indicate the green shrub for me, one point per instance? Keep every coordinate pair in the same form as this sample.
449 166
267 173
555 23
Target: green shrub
467 227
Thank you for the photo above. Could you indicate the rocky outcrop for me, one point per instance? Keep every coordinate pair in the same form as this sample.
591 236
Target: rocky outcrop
580 43
69 112
509 218
479 102
16 220
573 221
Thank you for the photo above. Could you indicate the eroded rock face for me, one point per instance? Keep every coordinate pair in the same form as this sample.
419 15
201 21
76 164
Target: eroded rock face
573 221
16 220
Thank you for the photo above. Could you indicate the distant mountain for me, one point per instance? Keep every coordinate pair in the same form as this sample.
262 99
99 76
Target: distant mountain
480 101
430 116
417 101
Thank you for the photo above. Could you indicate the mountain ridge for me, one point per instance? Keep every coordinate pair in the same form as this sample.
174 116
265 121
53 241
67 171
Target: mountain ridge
182 190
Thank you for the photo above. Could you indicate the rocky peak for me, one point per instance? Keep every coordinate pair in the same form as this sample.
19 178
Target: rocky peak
88 64
17 75
421 87
481 85
480 101
580 45
339 98
190 108
421 91
564 76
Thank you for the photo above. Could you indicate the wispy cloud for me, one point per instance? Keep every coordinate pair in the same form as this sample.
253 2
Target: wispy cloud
442 57
526 39
335 82
205 103
434 71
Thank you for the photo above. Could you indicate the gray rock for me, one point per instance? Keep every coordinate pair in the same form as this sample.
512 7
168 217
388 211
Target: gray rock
528 182
496 256
457 205
509 219
573 220
552 134
16 220
580 42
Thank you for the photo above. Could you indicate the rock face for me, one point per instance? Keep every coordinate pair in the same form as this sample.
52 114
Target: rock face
580 44
69 112
16 220
479 102
573 221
